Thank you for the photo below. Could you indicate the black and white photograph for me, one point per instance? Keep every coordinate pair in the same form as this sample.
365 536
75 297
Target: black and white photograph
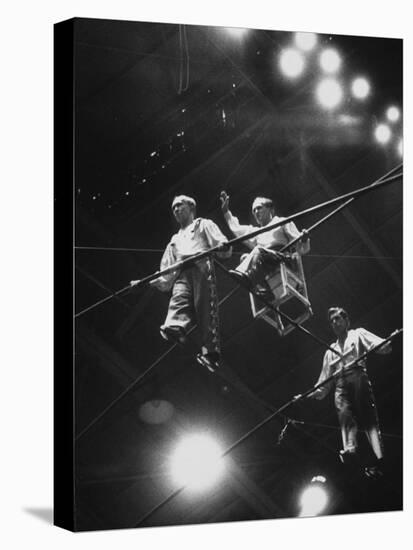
237 250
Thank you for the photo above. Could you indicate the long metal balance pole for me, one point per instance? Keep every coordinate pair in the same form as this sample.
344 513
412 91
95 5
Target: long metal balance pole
188 261
292 243
275 308
337 210
339 372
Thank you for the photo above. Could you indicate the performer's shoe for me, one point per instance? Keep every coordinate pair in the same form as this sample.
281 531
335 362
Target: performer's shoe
347 457
173 334
210 360
264 293
373 472
242 278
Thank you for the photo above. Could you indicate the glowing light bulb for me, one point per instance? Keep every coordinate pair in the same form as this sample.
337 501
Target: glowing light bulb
197 462
393 114
305 40
329 93
291 63
360 88
382 133
330 61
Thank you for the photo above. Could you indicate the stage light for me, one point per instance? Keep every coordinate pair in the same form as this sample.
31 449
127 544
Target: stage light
330 61
329 93
360 88
237 32
314 498
393 114
305 40
382 133
197 462
291 62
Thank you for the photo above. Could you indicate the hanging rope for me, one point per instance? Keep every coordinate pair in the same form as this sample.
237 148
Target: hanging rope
189 261
348 369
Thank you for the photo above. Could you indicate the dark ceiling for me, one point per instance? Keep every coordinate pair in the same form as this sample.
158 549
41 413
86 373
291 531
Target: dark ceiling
163 109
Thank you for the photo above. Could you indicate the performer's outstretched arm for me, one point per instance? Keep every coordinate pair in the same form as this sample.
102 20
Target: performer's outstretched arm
233 223
164 282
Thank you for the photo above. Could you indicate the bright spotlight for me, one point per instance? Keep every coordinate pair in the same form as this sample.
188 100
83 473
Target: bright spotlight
330 61
329 93
313 501
314 498
382 133
197 462
393 114
291 62
236 32
360 88
305 40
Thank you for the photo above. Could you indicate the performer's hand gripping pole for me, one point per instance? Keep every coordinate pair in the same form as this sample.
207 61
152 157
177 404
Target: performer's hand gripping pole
347 369
184 263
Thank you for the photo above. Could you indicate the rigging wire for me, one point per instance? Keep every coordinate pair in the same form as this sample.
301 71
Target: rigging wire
188 261
160 250
353 365
156 362
293 421
141 377
348 369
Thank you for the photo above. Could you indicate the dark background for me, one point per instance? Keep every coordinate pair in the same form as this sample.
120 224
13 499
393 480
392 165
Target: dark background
139 140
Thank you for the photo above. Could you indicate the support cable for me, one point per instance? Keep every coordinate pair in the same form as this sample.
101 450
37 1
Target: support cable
157 361
294 421
277 310
160 250
140 377
288 246
189 261
337 210
339 372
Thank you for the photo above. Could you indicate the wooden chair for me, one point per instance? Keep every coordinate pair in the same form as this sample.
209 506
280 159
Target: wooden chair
289 288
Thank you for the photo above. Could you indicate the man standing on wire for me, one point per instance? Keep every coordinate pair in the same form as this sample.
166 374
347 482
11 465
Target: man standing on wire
354 399
194 293
264 255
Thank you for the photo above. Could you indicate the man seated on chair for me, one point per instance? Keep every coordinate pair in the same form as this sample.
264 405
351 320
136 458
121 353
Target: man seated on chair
265 248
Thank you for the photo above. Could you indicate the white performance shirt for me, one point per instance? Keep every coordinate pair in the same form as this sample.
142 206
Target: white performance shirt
358 341
275 238
201 235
